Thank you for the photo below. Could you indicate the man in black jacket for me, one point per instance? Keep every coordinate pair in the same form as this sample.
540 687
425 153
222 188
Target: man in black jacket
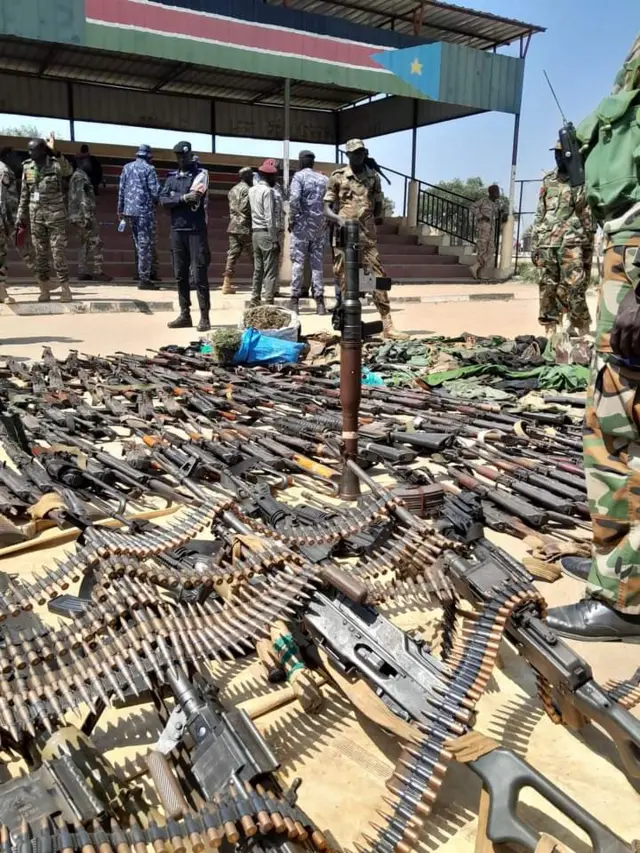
184 194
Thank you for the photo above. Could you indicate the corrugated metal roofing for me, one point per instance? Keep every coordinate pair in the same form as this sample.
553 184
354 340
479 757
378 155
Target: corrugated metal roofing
82 65
441 21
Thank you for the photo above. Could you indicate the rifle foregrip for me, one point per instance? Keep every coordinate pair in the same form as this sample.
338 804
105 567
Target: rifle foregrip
167 785
345 583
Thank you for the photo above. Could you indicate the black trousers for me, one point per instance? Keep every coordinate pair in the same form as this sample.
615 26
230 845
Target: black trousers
190 250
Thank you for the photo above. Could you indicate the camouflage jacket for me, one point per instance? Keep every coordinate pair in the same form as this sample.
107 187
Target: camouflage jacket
8 195
356 196
486 210
42 192
306 204
563 217
239 209
82 198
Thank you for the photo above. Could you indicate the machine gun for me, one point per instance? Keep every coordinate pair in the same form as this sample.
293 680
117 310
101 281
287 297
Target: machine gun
568 688
411 683
233 768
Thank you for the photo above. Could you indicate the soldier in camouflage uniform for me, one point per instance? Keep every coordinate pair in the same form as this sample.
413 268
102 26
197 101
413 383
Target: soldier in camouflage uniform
8 213
612 433
356 192
308 227
561 247
486 211
82 215
239 229
42 204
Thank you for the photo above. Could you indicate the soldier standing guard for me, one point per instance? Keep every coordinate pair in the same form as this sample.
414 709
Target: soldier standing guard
138 194
239 229
612 416
357 193
308 227
42 205
486 211
8 213
562 248
82 214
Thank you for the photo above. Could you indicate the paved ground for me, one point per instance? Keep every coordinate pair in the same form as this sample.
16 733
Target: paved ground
24 336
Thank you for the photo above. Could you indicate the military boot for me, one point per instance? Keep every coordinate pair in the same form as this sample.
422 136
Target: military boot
65 293
204 325
390 333
147 285
45 291
4 296
102 276
294 305
182 321
228 287
320 306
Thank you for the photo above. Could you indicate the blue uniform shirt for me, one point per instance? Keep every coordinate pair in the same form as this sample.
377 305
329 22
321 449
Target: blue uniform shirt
306 203
139 189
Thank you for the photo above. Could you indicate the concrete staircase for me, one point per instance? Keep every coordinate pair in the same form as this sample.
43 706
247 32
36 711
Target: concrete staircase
409 255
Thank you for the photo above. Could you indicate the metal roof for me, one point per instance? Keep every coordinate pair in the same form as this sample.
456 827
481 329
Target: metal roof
440 21
85 65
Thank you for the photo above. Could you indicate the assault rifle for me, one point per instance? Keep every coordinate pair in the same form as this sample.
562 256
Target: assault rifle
574 695
233 767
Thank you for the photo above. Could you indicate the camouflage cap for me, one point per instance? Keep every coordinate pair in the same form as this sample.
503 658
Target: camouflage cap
354 145
144 150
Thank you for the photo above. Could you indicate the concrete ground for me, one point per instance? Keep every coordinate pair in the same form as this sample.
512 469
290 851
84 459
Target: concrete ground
510 309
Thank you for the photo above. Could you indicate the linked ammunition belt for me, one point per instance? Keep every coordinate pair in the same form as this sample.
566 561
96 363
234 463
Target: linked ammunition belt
234 817
420 770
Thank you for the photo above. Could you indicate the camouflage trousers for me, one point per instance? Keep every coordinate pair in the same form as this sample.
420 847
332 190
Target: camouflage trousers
371 263
302 248
90 251
7 238
484 243
612 450
155 261
143 229
563 285
238 243
45 236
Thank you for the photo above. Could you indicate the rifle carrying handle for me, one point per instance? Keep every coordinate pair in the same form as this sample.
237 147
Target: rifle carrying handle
167 785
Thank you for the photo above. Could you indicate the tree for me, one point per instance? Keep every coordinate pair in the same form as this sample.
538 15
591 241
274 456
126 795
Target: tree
388 207
29 131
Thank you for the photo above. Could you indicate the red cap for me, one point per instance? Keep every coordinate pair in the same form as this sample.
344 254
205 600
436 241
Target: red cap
269 167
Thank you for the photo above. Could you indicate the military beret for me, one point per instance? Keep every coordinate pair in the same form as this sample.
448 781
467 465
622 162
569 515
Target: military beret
354 145
182 147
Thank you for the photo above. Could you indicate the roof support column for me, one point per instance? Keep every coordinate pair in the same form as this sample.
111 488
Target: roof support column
71 112
287 133
508 228
414 139
212 125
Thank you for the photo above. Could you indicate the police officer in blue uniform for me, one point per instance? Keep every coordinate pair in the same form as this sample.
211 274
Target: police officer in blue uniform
137 198
184 195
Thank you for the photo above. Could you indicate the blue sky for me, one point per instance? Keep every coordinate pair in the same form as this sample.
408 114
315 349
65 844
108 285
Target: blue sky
581 51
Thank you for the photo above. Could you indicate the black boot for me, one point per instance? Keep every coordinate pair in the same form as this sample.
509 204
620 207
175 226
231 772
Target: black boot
594 620
576 567
204 325
294 304
182 321
320 306
147 285
85 277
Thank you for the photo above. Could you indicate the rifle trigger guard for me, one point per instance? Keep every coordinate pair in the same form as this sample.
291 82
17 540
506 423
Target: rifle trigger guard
173 732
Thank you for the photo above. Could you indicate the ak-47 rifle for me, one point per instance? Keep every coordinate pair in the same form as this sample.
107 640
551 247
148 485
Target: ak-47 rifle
233 768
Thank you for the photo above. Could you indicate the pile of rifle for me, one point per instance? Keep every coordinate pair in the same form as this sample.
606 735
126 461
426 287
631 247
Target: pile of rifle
252 460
